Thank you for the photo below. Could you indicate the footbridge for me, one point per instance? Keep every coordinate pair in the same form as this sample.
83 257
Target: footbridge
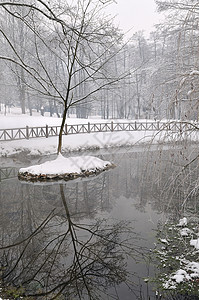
47 131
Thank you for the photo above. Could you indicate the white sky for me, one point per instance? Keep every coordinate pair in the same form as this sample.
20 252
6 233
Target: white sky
135 14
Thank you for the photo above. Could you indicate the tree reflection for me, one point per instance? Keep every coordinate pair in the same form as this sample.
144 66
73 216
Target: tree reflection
64 258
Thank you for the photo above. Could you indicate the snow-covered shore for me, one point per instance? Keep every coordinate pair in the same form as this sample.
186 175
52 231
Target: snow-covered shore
79 142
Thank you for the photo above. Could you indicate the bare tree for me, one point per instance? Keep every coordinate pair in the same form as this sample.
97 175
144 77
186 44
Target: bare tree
66 52
180 58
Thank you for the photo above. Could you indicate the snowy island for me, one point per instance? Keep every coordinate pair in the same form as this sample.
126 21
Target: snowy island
65 168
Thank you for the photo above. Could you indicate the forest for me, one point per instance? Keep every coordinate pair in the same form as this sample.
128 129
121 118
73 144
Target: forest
70 57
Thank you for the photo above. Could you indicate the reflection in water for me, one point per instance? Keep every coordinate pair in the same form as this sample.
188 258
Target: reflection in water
59 255
7 173
88 239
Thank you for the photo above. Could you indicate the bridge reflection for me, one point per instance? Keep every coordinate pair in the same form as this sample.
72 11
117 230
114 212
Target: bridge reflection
8 173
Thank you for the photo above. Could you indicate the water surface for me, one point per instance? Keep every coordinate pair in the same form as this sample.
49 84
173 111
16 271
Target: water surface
89 237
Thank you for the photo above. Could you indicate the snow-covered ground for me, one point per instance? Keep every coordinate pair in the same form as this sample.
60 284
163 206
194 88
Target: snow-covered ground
16 120
181 266
79 142
20 121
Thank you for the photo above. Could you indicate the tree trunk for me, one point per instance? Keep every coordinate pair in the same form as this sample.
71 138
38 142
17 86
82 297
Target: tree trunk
22 92
29 105
61 129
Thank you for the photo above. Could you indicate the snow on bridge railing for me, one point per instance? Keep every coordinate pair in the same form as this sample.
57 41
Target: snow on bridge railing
48 131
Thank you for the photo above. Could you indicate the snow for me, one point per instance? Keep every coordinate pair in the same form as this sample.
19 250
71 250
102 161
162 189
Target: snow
182 222
194 72
190 271
185 231
187 272
169 285
76 142
190 92
16 120
164 241
182 81
62 165
195 243
180 276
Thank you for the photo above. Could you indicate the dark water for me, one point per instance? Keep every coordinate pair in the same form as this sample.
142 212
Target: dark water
89 238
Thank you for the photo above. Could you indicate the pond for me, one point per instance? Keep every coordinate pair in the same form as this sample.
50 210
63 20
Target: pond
90 238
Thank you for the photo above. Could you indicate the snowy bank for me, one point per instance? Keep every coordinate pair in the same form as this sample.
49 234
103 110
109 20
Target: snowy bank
76 142
178 257
65 168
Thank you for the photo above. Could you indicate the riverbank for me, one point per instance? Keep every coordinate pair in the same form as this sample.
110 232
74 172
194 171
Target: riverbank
79 142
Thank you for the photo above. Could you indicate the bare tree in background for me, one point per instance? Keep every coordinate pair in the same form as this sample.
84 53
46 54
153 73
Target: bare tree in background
180 57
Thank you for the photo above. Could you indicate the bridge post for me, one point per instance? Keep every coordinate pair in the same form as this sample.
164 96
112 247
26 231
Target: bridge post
27 132
89 127
112 129
46 131
66 129
135 125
